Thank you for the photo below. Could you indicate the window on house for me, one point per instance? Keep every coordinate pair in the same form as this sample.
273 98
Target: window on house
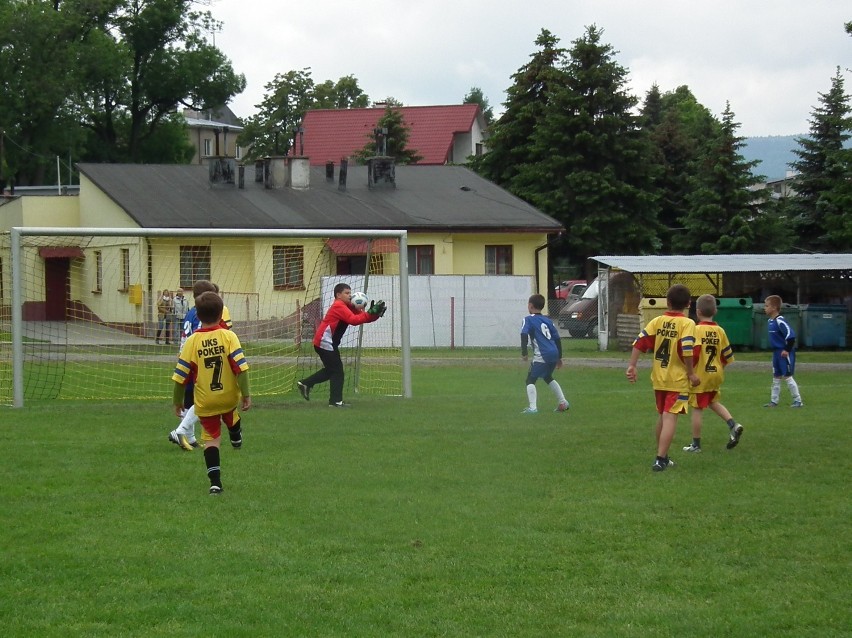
288 267
208 150
194 265
99 271
478 149
125 269
498 260
357 264
238 152
421 260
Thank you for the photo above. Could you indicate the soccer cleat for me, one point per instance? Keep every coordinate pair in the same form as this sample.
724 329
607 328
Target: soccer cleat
195 444
237 443
340 404
562 407
736 433
771 404
661 464
529 411
797 404
304 390
180 440
215 490
692 448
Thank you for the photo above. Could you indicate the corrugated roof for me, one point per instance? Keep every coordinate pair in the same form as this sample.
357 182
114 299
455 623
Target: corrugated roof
331 134
426 198
726 263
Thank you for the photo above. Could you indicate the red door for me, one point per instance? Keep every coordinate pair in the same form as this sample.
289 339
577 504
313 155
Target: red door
56 294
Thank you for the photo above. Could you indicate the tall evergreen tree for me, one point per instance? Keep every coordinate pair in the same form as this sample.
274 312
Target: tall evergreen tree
396 138
823 200
587 164
475 96
679 128
511 136
726 205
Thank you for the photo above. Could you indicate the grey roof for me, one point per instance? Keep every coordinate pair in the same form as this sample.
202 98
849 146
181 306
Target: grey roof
726 263
439 198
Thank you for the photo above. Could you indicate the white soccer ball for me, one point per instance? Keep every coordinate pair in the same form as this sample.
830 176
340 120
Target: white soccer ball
359 300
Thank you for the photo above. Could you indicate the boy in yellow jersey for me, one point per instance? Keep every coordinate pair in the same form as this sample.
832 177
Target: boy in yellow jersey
671 337
712 352
212 358
184 434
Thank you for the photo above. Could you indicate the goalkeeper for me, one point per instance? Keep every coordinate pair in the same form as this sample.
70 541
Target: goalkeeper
341 314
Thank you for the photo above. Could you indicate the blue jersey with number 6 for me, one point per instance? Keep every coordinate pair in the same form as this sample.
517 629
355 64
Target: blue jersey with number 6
541 332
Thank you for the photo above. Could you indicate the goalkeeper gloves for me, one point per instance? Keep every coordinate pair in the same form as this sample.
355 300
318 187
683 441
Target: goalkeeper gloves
377 308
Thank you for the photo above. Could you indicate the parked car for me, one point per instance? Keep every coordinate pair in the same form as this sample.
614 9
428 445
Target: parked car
580 318
571 289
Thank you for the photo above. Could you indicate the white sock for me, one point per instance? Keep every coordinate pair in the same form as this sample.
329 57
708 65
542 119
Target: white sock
776 390
793 387
187 424
557 390
532 396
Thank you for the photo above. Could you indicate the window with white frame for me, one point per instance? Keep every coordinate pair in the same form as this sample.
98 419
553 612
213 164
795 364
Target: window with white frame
288 267
421 260
194 265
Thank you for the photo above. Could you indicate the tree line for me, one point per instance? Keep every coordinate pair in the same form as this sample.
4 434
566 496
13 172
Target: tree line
102 80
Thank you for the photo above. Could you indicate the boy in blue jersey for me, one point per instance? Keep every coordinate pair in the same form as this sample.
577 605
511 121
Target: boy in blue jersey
540 331
782 340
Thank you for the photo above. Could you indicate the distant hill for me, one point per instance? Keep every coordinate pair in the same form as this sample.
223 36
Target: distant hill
774 152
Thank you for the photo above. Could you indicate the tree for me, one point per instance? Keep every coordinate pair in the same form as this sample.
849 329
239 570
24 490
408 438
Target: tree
101 80
728 212
679 129
343 94
510 137
396 139
147 58
587 160
38 47
288 97
823 200
475 96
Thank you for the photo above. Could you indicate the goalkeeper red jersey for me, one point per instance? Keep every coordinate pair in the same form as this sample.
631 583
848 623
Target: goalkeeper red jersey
338 318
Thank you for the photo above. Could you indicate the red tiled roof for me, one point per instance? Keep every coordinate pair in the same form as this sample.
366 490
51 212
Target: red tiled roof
346 246
331 134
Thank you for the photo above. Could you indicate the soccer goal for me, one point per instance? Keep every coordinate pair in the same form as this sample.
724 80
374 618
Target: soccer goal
95 313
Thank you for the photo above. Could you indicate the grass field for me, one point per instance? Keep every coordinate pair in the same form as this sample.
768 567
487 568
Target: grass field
449 514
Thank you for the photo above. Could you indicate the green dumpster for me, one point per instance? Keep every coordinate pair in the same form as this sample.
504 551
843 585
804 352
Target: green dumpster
824 326
735 316
650 307
790 312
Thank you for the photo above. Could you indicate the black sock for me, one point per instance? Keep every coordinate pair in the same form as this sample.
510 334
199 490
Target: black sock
236 432
211 458
696 442
731 424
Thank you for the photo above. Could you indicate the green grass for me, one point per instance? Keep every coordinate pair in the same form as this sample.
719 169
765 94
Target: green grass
449 514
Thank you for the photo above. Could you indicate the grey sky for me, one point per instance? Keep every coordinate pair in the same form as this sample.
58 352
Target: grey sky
769 58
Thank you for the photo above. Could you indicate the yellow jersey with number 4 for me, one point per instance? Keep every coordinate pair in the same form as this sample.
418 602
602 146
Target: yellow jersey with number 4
670 337
212 358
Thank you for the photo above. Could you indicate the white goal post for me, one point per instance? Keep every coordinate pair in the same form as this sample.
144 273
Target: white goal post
84 311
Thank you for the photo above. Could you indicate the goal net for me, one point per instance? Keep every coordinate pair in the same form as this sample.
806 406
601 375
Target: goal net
97 313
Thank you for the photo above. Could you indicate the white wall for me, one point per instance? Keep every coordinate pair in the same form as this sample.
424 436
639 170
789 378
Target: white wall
460 310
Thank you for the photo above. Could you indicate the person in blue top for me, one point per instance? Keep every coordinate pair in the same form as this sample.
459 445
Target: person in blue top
540 332
782 340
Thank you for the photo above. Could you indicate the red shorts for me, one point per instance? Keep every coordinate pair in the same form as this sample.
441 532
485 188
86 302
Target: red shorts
212 425
671 401
702 400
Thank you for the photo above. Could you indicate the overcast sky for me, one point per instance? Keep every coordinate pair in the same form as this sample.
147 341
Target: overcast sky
769 58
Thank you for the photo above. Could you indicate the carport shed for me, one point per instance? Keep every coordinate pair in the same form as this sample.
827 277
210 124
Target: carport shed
798 278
